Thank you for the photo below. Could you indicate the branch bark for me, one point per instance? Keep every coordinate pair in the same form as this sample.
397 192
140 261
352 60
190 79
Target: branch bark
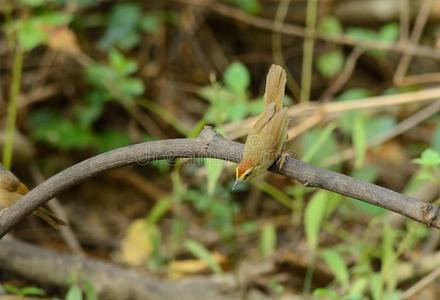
110 281
212 145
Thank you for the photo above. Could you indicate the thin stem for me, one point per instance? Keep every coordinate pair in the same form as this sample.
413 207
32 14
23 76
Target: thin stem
306 80
309 274
14 94
277 43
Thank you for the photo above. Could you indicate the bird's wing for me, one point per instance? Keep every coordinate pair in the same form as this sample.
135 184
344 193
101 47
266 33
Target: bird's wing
13 185
276 129
264 118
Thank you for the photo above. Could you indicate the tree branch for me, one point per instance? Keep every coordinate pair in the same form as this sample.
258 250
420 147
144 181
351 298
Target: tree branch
110 281
212 145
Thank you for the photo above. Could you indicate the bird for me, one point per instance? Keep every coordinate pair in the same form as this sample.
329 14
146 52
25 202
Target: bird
266 140
12 189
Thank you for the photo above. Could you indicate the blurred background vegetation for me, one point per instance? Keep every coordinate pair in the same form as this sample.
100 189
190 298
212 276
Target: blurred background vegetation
81 77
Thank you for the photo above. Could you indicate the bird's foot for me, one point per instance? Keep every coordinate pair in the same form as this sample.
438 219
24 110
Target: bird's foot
3 211
282 160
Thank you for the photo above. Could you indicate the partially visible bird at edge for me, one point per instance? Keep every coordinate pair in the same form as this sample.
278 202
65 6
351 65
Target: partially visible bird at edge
12 189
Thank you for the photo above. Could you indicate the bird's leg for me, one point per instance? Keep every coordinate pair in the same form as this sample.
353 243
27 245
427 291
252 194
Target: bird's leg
2 211
283 157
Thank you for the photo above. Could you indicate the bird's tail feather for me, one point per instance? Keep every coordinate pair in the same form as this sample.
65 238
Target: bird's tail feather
49 217
275 85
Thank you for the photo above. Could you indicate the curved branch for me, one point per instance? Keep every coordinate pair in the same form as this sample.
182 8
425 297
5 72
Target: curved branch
212 145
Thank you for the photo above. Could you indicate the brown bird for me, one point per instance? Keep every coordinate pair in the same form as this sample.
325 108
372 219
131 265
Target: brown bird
12 189
266 140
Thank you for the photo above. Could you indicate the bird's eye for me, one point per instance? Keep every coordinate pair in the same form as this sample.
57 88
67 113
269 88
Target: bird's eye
247 175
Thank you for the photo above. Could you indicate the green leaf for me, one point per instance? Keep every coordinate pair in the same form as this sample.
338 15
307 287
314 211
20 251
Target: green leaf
88 113
333 201
121 65
32 3
25 291
354 94
368 173
389 32
330 63
379 124
256 106
388 256
435 142
216 94
237 78
359 141
159 210
112 139
314 217
325 293
429 158
376 286
199 251
330 26
362 33
89 291
11 289
31 34
249 227
214 169
131 87
223 101
32 291
316 145
99 75
369 208
252 7
237 111
150 23
74 293
337 265
121 27
55 19
268 239
61 133
357 289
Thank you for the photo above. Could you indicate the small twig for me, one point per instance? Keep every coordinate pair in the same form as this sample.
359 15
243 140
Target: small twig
212 145
238 129
420 79
277 44
404 18
145 187
305 125
344 76
295 30
400 128
14 95
419 25
421 284
308 47
65 231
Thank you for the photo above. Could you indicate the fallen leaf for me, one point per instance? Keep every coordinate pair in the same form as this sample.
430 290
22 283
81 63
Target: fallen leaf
137 245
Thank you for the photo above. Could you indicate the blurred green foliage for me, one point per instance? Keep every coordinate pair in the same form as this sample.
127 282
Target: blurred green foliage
362 263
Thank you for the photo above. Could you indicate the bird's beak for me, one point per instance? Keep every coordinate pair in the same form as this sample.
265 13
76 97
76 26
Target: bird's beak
236 183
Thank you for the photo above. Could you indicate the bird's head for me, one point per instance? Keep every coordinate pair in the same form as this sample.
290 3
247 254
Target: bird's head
243 172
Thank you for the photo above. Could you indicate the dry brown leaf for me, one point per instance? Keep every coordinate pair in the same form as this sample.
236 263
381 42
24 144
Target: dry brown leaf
62 39
137 245
182 268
